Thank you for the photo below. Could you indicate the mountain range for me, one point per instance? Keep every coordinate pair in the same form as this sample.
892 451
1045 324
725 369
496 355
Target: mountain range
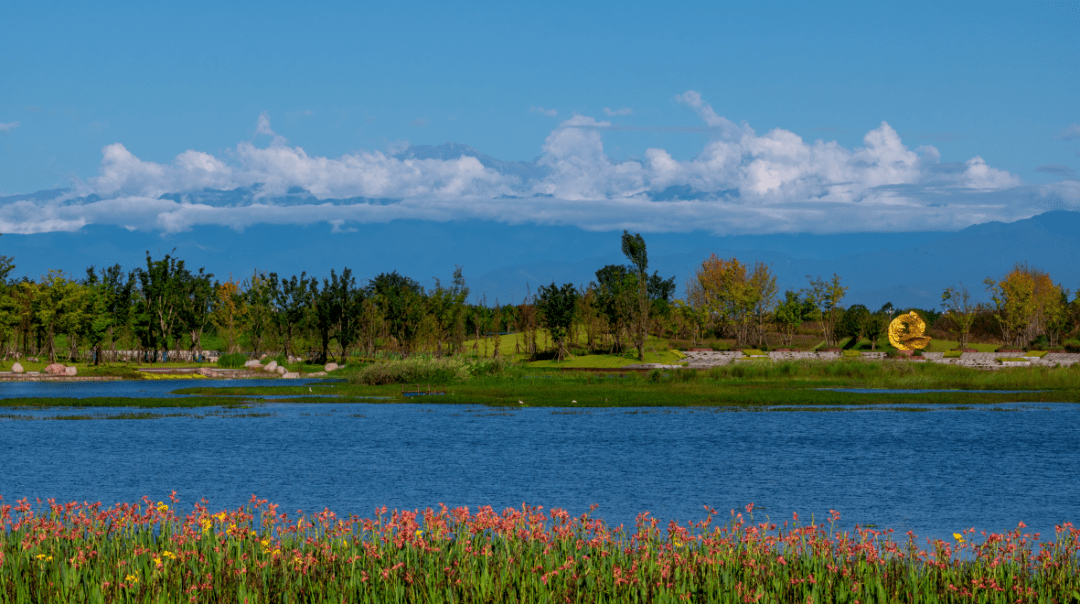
504 261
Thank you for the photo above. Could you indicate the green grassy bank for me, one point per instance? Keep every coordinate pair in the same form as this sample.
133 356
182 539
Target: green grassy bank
750 385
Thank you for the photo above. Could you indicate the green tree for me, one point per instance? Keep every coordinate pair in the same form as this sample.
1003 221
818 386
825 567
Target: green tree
290 301
557 306
163 285
789 315
100 319
60 310
875 327
9 318
447 305
348 311
402 304
962 310
258 300
825 297
855 323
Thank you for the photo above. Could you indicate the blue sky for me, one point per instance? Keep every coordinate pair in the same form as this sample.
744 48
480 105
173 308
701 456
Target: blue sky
927 114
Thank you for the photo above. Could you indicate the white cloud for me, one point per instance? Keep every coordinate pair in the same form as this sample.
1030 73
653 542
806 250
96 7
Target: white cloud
614 112
8 127
263 126
740 182
1070 133
542 111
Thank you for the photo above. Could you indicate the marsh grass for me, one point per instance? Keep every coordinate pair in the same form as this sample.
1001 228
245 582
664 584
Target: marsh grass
427 369
784 383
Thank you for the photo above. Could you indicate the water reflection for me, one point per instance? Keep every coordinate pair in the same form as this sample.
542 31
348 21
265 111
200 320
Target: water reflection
934 473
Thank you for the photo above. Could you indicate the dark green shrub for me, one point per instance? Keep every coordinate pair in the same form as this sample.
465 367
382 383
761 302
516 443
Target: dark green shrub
656 375
686 375
423 369
232 360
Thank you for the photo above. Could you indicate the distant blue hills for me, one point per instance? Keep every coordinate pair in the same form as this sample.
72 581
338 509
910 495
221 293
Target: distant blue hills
501 261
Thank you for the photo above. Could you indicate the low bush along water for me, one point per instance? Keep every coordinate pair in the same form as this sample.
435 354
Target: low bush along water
428 369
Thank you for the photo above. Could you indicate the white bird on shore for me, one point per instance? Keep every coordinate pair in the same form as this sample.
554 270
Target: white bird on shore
521 402
309 388
575 402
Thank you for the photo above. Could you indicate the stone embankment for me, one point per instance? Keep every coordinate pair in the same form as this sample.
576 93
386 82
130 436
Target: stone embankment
704 359
59 373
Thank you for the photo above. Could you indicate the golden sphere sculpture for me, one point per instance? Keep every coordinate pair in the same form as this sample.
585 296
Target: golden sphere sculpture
906 332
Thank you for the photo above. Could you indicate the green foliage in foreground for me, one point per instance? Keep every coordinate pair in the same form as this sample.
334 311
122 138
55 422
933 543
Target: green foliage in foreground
149 553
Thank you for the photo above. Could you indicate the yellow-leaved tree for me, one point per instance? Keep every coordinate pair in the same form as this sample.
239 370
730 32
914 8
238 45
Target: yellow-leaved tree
735 297
229 312
1028 304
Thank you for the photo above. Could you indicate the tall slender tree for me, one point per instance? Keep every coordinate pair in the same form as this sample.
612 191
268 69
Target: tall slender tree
633 247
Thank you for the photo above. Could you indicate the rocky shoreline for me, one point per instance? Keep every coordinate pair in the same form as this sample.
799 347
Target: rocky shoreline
990 361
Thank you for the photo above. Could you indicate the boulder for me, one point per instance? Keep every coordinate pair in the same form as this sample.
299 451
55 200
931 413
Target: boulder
262 356
317 374
330 367
252 363
290 375
32 360
271 366
70 371
206 372
17 368
54 369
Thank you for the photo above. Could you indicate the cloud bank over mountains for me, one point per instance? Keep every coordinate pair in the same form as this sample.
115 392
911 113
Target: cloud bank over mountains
741 182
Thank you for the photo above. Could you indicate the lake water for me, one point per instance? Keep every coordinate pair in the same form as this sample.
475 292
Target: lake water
932 472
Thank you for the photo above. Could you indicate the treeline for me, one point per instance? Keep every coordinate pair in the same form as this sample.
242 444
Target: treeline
165 307
732 299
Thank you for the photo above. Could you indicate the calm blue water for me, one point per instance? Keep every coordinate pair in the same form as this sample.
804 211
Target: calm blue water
932 472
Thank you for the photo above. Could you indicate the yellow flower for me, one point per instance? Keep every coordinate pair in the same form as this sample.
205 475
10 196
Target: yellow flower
958 537
419 533
161 507
131 579
169 555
